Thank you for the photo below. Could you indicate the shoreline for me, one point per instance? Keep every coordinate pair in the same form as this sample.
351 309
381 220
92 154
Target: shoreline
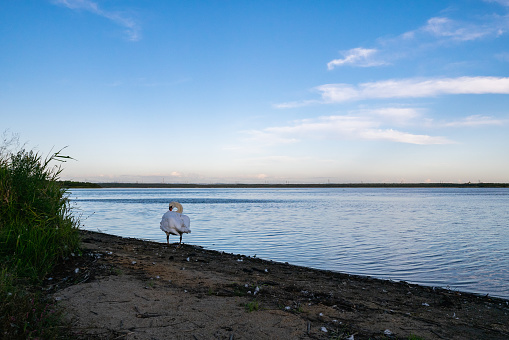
445 287
135 289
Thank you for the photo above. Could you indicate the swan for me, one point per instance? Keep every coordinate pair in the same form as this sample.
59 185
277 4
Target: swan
173 222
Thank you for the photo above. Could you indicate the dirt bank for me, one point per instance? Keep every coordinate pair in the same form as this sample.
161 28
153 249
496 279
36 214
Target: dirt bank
124 288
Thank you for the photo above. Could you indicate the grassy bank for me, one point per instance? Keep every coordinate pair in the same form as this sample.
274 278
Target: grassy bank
36 231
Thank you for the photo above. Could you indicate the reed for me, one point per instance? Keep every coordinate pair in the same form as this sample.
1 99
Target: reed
37 229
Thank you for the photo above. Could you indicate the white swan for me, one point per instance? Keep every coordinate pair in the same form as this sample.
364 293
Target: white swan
173 222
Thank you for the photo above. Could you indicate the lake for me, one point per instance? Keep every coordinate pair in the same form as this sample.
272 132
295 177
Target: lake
456 238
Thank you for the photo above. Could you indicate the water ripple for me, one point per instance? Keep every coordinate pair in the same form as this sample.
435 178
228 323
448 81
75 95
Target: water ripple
457 238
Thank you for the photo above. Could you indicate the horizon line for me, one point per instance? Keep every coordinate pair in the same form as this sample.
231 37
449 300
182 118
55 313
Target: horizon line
76 184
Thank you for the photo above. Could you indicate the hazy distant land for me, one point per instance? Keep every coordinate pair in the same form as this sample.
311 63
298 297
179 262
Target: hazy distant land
74 184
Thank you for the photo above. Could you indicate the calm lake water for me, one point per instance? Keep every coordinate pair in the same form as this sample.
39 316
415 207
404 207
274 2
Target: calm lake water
456 238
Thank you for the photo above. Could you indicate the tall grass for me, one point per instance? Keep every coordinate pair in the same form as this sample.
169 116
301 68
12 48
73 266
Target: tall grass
37 229
36 225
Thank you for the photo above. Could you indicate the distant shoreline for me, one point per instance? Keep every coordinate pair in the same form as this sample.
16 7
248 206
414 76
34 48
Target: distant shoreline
73 184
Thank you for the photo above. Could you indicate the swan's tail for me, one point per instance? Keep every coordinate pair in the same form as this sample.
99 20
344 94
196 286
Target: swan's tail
185 226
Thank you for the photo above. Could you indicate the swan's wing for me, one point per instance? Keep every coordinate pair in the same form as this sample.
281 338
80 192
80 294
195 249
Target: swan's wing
184 225
187 222
169 222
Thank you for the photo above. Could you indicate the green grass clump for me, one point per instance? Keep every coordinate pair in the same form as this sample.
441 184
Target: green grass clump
252 306
37 230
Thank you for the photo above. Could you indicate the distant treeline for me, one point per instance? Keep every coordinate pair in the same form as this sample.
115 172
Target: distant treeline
328 185
73 184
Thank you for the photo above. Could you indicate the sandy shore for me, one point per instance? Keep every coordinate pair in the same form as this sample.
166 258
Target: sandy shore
122 288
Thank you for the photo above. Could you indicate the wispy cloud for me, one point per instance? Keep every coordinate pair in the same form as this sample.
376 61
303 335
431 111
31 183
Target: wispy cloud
442 27
404 137
362 57
377 124
436 32
415 88
291 105
406 88
504 56
397 115
501 2
350 127
132 28
270 136
474 121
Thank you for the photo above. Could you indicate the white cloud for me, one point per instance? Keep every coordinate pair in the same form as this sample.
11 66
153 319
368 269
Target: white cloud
352 127
436 32
443 29
132 28
291 105
475 120
500 2
405 88
362 57
403 137
413 88
396 112
79 4
448 28
397 115
365 124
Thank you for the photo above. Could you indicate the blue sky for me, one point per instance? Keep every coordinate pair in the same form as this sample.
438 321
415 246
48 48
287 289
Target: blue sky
260 91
